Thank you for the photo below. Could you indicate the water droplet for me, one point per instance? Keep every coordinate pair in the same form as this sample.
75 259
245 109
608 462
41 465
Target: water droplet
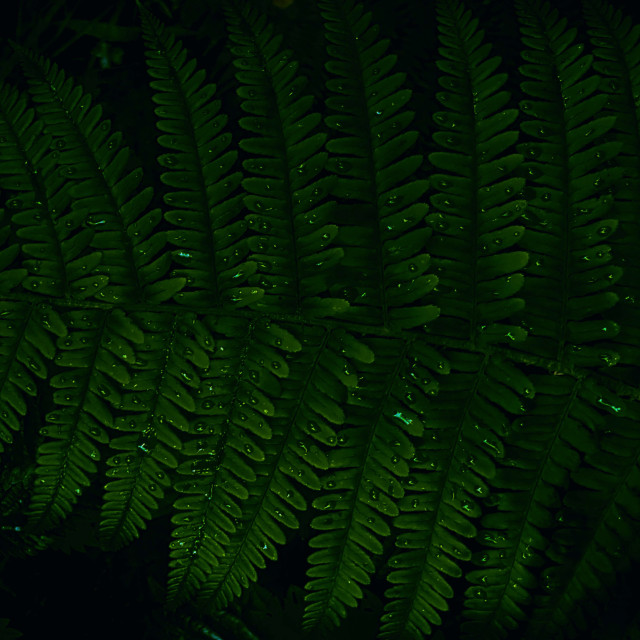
202 467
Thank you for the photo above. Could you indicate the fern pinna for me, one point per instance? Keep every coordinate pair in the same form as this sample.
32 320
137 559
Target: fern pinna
424 369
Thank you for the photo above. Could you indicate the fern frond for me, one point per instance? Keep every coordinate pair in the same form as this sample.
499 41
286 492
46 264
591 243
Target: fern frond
96 352
287 201
365 156
614 41
477 203
104 197
25 348
547 454
525 493
291 453
232 410
158 401
28 169
209 245
612 485
570 216
363 491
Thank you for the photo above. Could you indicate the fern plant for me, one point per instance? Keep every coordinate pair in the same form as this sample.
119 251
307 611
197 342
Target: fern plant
425 370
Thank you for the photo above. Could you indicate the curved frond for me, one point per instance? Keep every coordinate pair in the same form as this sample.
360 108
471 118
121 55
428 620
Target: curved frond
203 210
95 359
105 198
615 40
166 362
288 203
232 417
570 216
478 200
26 348
383 221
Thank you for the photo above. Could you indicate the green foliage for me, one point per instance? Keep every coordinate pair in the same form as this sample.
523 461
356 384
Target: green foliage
298 346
